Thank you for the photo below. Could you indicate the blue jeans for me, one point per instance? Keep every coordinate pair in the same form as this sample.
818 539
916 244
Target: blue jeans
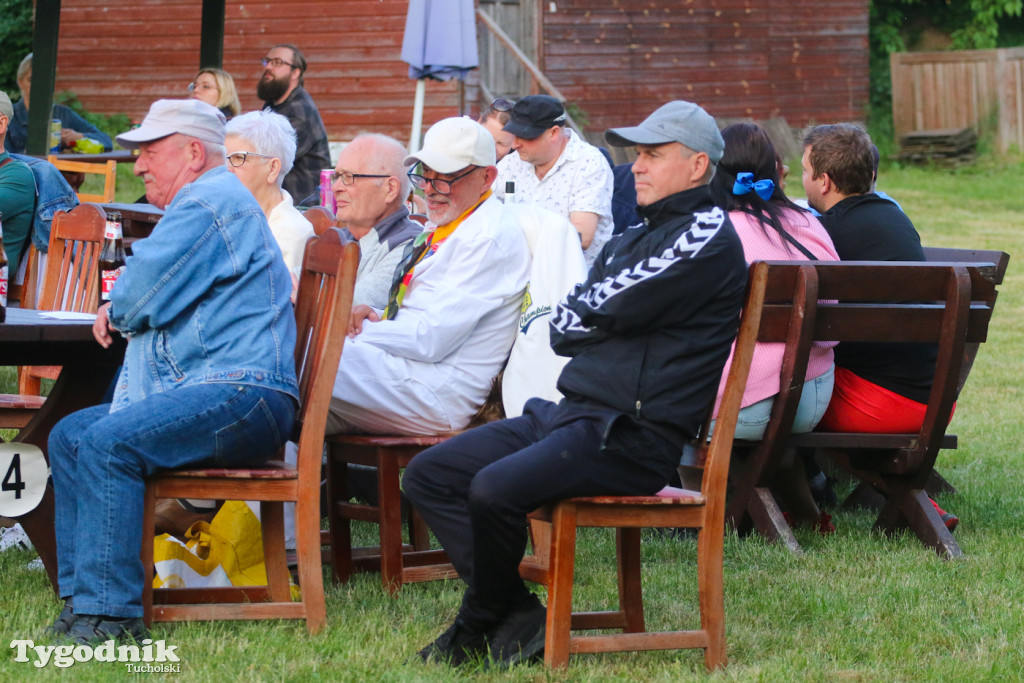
814 399
100 461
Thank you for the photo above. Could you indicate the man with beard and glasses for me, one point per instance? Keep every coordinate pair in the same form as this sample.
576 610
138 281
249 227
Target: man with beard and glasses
281 90
424 364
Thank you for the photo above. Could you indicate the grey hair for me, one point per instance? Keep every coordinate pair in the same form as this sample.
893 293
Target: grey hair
387 158
270 133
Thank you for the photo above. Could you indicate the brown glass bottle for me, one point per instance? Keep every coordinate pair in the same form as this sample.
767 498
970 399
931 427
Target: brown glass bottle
111 256
3 273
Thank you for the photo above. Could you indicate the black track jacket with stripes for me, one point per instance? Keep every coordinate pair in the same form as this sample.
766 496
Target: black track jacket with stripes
649 330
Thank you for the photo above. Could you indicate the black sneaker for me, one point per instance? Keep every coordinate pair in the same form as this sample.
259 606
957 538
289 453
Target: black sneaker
520 636
64 621
460 643
89 629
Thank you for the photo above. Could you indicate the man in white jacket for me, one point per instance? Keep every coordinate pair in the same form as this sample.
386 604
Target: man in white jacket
425 364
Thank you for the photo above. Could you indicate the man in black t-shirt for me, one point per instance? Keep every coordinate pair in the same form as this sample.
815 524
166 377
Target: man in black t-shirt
879 387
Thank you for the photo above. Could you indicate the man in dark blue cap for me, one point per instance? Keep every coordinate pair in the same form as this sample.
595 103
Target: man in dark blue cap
647 334
554 168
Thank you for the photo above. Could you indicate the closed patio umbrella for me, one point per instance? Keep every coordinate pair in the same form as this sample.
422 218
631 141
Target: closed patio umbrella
439 43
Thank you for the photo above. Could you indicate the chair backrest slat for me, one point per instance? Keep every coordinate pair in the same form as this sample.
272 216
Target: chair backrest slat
71 282
107 169
322 312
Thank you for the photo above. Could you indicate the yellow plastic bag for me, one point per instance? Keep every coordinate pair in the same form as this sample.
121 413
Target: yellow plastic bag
225 552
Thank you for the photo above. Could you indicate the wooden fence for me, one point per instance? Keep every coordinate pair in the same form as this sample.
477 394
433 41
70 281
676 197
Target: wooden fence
979 88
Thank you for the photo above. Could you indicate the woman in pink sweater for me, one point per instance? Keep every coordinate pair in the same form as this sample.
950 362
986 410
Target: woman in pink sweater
771 228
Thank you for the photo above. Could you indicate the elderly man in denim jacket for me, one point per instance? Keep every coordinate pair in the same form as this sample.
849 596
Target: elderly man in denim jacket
208 376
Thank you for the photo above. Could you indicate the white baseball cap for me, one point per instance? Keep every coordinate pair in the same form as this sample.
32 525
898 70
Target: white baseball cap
167 117
453 144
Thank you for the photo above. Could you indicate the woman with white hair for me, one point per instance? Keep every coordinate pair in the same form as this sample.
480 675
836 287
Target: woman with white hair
261 151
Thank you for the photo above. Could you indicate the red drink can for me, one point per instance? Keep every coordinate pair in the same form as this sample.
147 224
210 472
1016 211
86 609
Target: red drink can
326 193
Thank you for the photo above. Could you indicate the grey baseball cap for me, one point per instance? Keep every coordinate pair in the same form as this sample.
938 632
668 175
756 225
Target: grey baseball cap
167 117
678 121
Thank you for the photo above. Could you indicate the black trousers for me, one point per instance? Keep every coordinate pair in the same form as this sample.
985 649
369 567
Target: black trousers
475 490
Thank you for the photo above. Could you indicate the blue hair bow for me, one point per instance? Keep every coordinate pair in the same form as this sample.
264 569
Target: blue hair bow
745 183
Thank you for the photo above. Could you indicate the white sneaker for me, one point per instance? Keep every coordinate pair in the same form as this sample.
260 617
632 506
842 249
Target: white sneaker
14 537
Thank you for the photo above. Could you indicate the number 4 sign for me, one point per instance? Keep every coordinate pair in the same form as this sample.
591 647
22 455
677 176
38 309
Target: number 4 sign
23 473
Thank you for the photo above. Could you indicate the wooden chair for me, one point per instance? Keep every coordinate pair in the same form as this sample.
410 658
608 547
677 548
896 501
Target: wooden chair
71 283
791 296
703 510
854 303
398 563
106 169
321 218
322 313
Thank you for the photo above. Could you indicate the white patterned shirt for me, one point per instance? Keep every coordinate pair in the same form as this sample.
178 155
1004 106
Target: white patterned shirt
580 180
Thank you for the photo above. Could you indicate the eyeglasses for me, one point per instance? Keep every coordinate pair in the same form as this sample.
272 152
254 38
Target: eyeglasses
440 185
347 178
501 104
276 62
237 159
192 87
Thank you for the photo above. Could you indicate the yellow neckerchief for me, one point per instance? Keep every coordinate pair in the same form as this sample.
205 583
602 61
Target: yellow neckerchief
433 241
443 232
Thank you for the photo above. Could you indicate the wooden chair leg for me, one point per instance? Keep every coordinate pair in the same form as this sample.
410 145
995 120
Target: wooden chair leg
915 511
274 559
389 504
631 600
311 577
937 485
342 565
560 584
710 586
148 571
768 519
419 533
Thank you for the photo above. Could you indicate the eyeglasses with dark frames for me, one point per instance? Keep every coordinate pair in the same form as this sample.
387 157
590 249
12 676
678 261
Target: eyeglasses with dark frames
440 185
238 159
347 178
276 62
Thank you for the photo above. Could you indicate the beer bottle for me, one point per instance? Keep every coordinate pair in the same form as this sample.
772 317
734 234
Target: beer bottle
3 274
111 256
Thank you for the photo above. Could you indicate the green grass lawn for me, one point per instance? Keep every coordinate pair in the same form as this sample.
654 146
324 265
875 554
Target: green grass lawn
854 606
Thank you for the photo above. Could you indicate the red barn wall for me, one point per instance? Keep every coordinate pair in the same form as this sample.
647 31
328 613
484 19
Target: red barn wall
617 59
805 60
121 55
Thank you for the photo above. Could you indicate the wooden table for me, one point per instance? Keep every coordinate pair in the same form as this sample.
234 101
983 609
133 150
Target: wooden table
121 156
137 220
27 338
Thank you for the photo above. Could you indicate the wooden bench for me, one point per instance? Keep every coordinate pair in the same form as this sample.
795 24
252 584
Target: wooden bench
852 301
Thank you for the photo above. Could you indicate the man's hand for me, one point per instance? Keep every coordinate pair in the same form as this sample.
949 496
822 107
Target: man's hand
295 289
360 313
69 136
102 328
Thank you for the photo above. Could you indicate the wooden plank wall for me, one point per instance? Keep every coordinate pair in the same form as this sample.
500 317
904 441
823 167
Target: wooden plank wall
979 88
120 55
805 60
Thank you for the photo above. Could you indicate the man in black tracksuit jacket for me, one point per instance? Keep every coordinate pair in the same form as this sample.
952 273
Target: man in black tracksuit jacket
648 333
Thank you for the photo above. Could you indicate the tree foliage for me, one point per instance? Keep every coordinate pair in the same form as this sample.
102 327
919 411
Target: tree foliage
896 26
16 37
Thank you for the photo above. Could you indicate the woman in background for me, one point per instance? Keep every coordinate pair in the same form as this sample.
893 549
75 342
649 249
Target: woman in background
771 227
216 88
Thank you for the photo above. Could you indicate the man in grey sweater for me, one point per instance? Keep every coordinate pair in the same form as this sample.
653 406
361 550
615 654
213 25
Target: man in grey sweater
371 187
